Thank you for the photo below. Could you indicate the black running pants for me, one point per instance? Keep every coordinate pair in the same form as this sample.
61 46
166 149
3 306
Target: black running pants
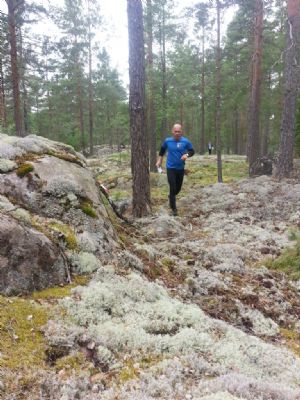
175 179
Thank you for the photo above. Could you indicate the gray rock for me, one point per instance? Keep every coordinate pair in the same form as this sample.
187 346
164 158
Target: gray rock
28 259
62 178
59 188
163 226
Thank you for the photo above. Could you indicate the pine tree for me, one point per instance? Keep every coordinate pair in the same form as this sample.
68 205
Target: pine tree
150 104
139 149
255 97
13 7
291 82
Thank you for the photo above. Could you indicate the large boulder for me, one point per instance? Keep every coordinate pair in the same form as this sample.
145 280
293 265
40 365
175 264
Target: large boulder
56 204
28 259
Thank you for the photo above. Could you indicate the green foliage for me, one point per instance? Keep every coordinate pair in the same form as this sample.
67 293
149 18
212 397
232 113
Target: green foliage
88 209
293 339
24 169
68 233
71 362
59 292
120 157
56 79
289 261
21 344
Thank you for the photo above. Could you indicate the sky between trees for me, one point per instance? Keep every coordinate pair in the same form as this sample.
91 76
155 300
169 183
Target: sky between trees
114 33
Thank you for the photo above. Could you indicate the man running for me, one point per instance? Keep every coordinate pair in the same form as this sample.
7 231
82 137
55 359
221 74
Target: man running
179 149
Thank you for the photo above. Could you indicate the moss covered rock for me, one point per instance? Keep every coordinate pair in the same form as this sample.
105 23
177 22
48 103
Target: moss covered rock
57 211
28 259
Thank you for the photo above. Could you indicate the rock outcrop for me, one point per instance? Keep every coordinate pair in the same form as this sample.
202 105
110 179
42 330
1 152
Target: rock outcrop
190 309
28 259
52 219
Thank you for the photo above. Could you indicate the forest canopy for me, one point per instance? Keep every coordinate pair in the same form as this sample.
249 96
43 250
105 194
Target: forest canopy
64 87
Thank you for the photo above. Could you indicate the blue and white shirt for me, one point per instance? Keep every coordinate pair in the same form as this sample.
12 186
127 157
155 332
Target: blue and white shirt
176 149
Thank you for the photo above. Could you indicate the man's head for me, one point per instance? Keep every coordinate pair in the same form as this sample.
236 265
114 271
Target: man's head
177 131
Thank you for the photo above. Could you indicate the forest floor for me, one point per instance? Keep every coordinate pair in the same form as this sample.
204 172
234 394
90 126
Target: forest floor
205 305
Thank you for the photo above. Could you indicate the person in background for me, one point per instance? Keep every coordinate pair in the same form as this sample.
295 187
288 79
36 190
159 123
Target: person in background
179 149
210 147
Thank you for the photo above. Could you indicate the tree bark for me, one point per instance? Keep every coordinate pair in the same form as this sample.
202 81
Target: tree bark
91 111
3 116
151 108
291 82
236 131
12 7
25 115
164 74
218 95
266 137
202 137
80 113
254 106
139 148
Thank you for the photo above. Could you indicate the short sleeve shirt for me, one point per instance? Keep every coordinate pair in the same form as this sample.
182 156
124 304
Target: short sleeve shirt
176 149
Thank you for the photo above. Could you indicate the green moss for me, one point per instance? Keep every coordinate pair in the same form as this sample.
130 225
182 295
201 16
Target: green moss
293 340
87 208
21 342
64 156
27 157
128 373
49 228
24 169
118 195
68 233
59 292
123 156
167 262
133 367
71 362
288 262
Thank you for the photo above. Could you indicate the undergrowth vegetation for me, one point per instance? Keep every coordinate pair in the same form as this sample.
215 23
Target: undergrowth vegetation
128 306
23 347
289 261
199 171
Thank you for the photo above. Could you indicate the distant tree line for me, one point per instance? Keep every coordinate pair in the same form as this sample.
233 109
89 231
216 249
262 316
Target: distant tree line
64 89
238 91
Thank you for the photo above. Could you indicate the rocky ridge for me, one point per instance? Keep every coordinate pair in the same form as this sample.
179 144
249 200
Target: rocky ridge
53 221
212 319
187 309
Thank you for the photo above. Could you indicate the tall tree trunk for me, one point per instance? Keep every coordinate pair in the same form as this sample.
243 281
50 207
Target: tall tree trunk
23 85
218 94
12 7
202 136
109 130
254 107
164 73
266 137
151 109
91 113
237 134
78 74
236 131
3 117
291 82
139 148
49 102
80 109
